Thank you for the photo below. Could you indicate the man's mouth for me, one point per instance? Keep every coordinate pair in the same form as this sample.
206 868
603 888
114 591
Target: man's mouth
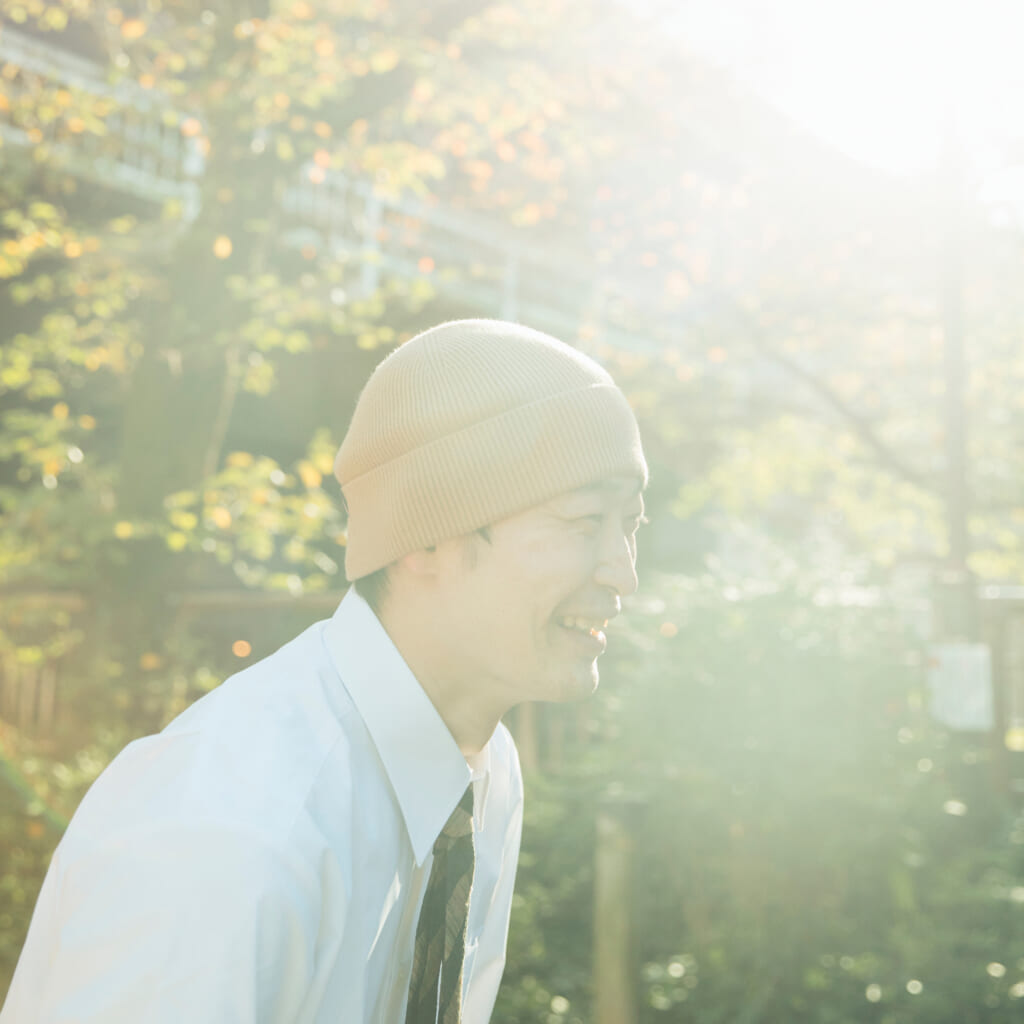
588 627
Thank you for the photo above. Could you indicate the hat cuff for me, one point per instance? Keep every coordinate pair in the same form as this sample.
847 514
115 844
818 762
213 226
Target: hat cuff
488 471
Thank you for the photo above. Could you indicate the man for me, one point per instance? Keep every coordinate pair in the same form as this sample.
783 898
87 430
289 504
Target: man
332 834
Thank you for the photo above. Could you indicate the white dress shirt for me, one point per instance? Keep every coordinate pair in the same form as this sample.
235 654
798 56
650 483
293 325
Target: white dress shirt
264 857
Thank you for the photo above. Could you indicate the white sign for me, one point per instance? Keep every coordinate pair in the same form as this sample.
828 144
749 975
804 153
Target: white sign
960 684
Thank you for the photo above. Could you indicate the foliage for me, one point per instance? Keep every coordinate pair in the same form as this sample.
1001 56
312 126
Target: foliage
175 374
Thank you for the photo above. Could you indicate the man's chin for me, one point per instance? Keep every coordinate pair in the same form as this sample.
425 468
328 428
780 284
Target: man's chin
580 687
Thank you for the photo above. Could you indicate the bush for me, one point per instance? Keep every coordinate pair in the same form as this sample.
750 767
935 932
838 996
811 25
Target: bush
811 847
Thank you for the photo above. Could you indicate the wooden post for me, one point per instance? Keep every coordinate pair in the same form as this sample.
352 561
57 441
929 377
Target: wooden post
9 688
47 710
28 677
962 597
615 997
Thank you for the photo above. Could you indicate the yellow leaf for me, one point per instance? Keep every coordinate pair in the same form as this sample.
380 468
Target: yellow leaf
123 530
384 60
221 517
56 19
309 474
324 462
133 28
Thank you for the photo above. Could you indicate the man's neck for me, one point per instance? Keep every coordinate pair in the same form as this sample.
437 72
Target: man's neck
470 718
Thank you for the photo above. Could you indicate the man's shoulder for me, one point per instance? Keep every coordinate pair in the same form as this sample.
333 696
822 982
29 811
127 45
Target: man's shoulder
252 754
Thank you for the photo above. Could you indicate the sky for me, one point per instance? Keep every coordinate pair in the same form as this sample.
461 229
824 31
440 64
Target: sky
876 78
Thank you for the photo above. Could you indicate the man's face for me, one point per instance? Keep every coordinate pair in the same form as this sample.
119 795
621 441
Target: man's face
513 605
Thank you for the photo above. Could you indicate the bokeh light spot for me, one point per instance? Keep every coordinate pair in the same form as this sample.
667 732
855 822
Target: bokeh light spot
133 28
220 516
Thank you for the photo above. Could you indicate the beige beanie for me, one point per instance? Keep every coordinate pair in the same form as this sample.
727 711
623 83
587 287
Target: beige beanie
469 423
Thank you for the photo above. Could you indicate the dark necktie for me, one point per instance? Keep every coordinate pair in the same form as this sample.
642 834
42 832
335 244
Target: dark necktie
435 992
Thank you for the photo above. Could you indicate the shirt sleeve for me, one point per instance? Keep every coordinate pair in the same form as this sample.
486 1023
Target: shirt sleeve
203 923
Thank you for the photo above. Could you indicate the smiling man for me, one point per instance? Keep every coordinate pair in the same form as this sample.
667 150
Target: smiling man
332 834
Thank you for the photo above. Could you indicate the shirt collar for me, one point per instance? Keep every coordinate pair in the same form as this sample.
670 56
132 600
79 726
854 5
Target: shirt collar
424 765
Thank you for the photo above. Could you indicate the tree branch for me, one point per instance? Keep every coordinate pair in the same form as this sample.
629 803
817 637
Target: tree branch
860 424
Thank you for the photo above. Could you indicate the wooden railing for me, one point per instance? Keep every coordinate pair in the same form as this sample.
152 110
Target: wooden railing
479 263
143 151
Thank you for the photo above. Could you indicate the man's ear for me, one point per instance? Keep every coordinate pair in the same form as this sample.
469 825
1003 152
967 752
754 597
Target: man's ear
421 563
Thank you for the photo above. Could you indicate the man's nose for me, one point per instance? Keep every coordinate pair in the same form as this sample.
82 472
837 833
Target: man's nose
617 564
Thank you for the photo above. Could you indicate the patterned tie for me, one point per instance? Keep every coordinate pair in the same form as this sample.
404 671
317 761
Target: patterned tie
435 992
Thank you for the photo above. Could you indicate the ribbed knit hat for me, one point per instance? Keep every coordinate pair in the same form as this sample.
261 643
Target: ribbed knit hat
469 423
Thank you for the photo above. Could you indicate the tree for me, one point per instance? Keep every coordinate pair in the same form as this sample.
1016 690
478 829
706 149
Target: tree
178 366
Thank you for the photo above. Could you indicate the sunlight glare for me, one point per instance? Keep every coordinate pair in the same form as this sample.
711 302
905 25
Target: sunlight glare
878 80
